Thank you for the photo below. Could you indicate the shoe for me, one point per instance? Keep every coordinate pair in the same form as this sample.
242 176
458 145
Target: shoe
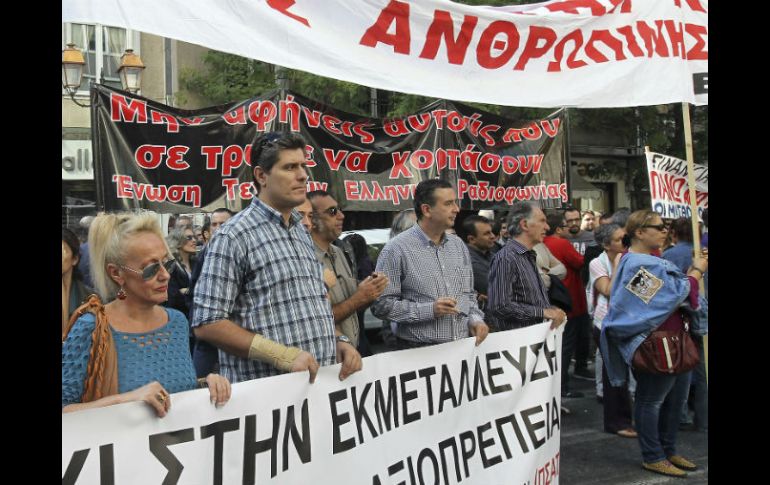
664 467
572 394
584 374
565 410
627 433
682 463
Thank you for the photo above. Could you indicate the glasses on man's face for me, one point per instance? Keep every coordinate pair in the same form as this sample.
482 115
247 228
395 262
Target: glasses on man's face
332 211
150 271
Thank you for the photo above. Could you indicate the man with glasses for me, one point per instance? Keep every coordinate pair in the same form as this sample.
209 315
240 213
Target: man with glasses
261 297
346 294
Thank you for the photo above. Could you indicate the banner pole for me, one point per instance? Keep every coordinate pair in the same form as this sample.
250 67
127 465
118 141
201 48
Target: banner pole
568 161
693 206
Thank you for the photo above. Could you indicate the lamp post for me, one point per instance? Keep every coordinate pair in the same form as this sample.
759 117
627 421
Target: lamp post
130 71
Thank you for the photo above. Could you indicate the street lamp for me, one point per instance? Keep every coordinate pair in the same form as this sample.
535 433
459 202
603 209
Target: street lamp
130 71
72 63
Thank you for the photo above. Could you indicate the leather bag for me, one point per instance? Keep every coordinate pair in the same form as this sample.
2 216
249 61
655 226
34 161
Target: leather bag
667 352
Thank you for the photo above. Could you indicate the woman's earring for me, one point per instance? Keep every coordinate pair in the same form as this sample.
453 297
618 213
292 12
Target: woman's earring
121 294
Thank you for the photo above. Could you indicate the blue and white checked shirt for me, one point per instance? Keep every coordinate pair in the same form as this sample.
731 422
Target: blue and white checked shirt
420 272
265 277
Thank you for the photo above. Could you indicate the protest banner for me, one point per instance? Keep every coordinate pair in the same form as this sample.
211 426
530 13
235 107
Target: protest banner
576 53
670 189
151 156
445 414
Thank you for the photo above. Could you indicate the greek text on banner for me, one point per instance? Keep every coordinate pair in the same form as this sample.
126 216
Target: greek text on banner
445 414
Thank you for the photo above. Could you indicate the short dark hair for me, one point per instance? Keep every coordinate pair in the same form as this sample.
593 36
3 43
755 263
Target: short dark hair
317 193
469 225
223 209
555 220
266 150
621 216
569 208
424 194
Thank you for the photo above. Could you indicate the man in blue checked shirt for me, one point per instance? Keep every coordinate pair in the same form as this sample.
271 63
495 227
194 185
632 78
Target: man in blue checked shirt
261 298
430 291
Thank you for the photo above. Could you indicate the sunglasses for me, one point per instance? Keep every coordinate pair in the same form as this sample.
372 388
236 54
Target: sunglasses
189 238
659 227
332 211
150 271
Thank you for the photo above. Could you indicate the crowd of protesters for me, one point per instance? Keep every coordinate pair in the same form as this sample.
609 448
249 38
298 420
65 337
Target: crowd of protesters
272 289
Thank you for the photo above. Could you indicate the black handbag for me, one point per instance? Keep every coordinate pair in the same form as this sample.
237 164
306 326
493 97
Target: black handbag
558 294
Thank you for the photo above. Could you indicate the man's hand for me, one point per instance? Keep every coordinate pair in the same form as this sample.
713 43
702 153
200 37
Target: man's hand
305 361
445 306
372 287
480 330
556 314
350 358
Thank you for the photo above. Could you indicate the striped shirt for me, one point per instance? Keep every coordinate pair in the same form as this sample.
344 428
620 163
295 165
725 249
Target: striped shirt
420 272
264 276
517 295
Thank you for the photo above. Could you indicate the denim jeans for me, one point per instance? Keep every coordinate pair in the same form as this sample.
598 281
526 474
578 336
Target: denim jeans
568 341
659 399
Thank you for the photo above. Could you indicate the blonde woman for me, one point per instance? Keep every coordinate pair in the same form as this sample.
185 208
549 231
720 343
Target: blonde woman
132 348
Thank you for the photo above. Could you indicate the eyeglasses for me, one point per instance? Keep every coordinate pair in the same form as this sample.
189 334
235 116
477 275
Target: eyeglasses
659 227
332 211
150 271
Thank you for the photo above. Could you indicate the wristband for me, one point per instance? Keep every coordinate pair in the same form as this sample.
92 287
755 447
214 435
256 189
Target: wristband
279 356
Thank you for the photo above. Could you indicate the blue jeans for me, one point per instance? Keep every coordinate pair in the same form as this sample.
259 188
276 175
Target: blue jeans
658 402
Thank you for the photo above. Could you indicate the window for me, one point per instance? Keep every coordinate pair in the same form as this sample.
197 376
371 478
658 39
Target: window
102 47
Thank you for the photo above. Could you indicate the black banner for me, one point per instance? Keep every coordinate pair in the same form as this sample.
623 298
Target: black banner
152 156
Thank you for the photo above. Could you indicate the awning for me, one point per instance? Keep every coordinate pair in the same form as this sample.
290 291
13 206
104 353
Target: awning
581 188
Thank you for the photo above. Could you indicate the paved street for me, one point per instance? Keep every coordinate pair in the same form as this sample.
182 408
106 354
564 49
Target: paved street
591 456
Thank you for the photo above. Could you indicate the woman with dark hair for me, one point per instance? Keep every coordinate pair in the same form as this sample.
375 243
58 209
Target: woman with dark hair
73 290
649 293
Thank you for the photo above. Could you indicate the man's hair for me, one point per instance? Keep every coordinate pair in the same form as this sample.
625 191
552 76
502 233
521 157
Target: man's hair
589 211
603 233
223 209
555 220
519 211
469 225
569 208
317 193
682 229
605 217
425 194
266 150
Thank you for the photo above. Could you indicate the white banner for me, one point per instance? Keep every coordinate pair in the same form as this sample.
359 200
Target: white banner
445 414
582 53
670 189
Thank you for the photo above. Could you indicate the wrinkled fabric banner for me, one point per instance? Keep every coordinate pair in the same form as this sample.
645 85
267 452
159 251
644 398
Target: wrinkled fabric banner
152 156
451 413
670 187
579 53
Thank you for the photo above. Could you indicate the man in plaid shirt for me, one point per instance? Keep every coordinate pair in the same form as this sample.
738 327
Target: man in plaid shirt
261 298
